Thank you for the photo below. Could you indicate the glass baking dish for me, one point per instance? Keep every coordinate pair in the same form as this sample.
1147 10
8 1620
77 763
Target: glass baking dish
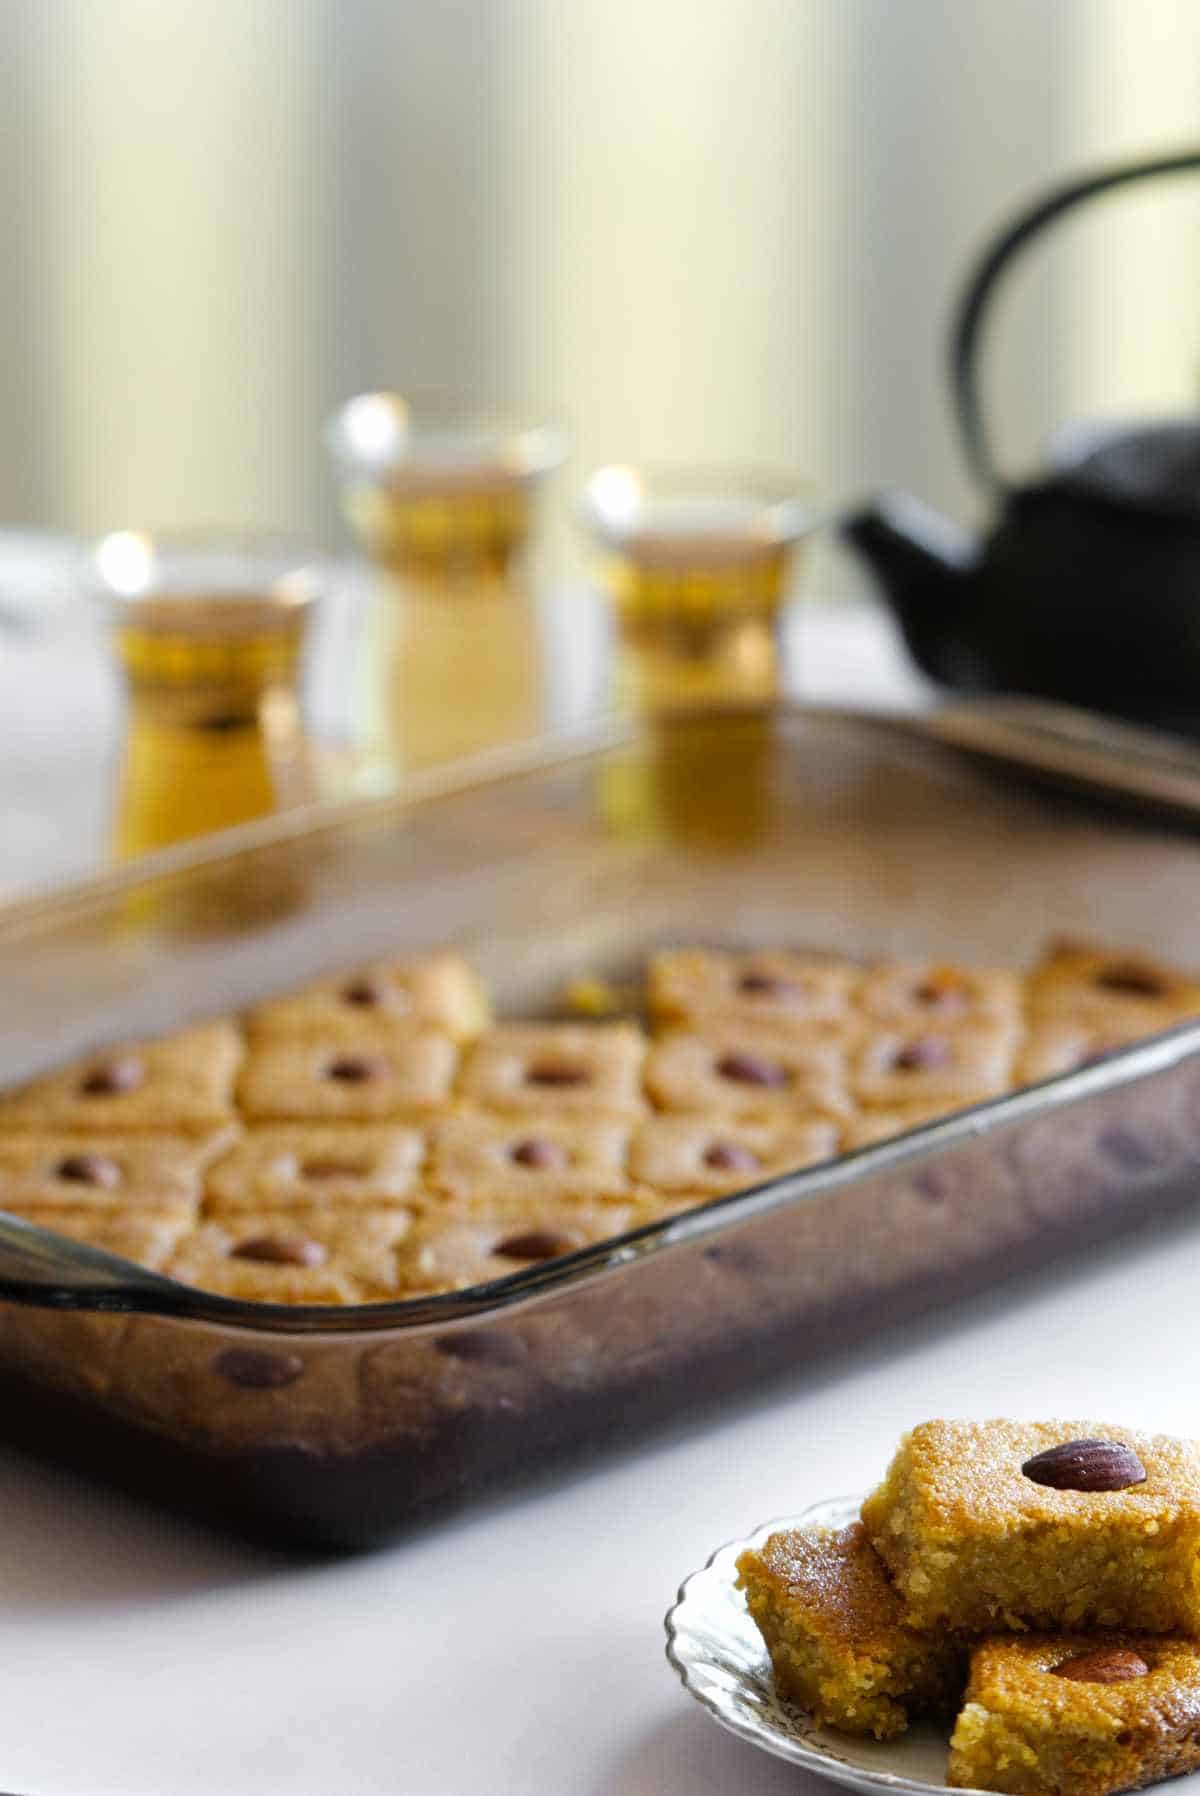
341 1427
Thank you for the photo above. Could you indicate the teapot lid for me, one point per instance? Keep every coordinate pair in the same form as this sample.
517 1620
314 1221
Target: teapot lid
1154 468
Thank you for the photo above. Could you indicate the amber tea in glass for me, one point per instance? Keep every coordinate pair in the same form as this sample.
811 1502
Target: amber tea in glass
698 564
434 487
447 669
210 635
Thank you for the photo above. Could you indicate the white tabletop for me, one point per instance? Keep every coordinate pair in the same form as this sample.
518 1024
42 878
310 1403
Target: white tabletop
519 1651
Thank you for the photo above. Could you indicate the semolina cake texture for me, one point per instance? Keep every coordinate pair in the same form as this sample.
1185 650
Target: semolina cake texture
1077 1715
978 1536
832 1624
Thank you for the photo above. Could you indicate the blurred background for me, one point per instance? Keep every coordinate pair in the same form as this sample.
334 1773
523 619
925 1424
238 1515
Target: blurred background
692 230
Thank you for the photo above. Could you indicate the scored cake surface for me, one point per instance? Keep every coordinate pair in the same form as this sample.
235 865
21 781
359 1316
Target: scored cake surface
388 1086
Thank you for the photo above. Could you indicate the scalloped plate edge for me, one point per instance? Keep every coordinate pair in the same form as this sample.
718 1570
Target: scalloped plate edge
709 1617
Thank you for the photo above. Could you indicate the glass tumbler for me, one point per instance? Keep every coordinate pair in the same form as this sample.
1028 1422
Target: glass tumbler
210 633
435 487
442 499
698 563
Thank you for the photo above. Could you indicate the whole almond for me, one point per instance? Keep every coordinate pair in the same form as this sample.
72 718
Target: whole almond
357 1069
333 1168
539 1155
731 1156
1130 980
753 1069
89 1169
1105 1665
535 1244
947 1000
770 985
109 1078
1086 1465
928 1054
556 1073
281 1250
366 993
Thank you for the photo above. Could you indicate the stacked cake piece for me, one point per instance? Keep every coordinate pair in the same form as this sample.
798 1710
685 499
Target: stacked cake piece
1050 1569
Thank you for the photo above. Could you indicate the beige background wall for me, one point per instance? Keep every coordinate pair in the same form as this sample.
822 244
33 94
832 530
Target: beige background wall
694 228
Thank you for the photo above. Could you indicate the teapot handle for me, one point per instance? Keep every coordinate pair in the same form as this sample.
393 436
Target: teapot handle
981 283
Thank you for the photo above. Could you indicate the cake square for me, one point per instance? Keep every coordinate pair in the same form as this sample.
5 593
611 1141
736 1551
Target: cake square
79 1350
694 988
839 1648
747 1073
869 1127
104 1173
954 1067
450 1252
146 1238
281 1168
987 1525
912 996
1079 1715
371 1077
1083 980
321 1255
556 1069
1057 1045
688 1154
437 992
482 1161
176 1083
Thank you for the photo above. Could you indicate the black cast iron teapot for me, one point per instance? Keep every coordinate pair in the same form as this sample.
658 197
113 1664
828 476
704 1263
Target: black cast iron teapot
1088 588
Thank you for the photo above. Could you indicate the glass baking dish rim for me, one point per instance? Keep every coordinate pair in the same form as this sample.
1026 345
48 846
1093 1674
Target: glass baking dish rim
125 1288
301 824
304 823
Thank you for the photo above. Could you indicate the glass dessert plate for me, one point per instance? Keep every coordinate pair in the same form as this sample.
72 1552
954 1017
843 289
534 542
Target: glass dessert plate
720 1658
